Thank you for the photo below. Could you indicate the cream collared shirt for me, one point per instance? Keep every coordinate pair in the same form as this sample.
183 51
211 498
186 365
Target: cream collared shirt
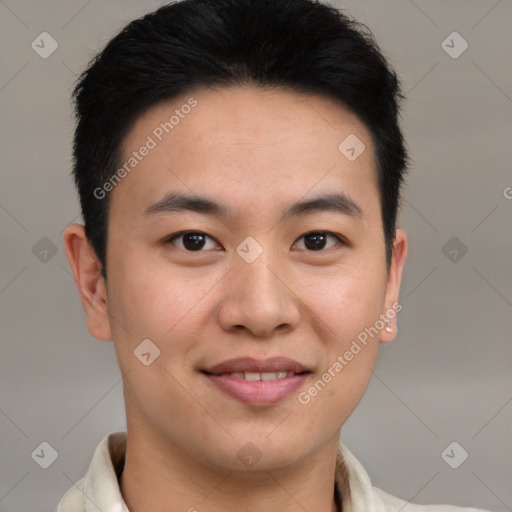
99 490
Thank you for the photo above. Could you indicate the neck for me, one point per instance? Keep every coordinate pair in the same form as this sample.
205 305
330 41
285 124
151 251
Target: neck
159 477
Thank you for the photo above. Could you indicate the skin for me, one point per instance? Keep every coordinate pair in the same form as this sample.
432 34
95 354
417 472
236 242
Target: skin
256 152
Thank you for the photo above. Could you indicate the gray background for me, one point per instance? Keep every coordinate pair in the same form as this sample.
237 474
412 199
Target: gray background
447 377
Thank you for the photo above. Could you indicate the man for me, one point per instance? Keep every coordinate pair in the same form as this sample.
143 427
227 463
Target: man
239 166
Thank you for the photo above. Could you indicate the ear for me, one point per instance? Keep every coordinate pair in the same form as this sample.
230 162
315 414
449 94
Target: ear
393 285
90 283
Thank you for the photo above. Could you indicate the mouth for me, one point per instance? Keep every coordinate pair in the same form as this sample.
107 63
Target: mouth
261 366
255 376
258 382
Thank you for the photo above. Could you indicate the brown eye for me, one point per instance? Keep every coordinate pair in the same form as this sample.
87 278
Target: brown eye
319 240
192 241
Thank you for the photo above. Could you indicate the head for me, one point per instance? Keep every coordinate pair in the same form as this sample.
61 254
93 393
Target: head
239 167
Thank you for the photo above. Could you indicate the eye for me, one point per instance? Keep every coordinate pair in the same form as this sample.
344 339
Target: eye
197 241
190 240
317 240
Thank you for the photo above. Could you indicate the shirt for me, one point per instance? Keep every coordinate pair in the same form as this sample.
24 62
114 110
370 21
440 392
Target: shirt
98 490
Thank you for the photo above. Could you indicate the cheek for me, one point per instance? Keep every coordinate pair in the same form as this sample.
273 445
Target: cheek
345 308
162 306
345 301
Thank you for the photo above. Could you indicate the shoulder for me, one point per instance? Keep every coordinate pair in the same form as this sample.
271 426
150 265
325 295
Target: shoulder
73 499
390 503
99 488
363 496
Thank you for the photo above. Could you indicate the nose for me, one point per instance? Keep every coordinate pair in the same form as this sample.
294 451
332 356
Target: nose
258 298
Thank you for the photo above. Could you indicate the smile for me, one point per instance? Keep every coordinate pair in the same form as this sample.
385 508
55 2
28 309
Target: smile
254 376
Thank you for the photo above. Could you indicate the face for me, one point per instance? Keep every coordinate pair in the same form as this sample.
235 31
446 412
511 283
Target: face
245 231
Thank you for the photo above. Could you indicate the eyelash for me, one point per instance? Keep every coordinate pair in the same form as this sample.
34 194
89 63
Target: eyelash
341 241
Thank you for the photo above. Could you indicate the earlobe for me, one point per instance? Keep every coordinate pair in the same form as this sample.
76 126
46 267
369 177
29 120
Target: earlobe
392 304
86 269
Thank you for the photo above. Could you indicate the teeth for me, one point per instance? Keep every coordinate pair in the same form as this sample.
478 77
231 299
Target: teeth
254 376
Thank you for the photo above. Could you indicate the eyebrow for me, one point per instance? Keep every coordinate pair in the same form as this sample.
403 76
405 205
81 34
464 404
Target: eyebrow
335 202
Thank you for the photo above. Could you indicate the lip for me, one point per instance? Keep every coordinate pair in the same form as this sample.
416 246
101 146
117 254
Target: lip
259 393
249 364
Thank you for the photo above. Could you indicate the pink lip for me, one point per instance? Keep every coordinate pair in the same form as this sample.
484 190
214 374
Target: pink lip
262 392
248 364
258 393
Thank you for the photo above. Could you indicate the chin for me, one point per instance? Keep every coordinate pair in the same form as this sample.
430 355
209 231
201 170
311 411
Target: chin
258 454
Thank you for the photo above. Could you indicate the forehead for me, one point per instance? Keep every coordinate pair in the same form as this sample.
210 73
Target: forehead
250 144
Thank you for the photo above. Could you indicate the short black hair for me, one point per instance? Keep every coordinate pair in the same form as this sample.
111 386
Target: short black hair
300 45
